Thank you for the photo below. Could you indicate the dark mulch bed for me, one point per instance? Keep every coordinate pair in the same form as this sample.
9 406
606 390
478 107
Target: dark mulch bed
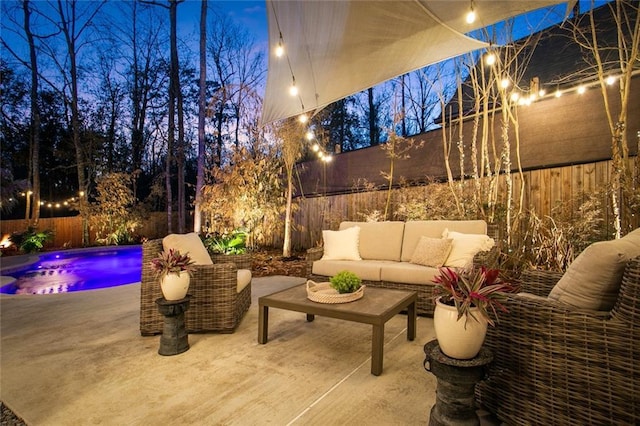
7 418
271 262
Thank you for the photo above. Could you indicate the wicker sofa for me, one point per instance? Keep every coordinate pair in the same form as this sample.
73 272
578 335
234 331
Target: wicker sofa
559 364
386 250
216 305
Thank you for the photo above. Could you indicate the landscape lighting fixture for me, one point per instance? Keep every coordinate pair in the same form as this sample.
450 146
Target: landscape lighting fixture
471 15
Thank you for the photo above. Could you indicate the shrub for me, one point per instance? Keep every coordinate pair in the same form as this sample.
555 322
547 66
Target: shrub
31 240
234 243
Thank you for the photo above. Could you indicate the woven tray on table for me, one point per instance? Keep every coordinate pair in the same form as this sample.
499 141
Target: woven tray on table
324 293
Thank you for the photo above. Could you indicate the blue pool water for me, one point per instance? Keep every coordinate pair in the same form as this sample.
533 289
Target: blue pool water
77 270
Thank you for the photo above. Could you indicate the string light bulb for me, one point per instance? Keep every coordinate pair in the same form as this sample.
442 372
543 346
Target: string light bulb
471 15
280 47
303 118
610 80
490 58
309 135
515 96
558 93
279 50
581 90
504 83
315 147
293 90
542 92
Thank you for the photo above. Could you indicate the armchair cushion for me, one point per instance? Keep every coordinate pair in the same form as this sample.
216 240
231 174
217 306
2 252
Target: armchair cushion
593 279
244 279
188 244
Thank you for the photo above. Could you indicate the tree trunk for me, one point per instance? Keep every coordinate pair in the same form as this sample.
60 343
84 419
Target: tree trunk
83 185
373 131
33 217
202 93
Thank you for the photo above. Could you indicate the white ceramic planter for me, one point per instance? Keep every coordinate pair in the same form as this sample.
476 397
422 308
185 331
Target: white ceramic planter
175 287
456 340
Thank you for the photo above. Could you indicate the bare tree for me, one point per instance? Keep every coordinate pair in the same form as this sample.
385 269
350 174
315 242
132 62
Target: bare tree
175 103
35 120
73 23
237 68
613 49
291 135
202 105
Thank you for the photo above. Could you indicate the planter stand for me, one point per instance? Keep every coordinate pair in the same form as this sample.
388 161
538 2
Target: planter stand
174 339
455 401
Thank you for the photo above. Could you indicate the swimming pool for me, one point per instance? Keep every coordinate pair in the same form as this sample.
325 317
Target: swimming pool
77 270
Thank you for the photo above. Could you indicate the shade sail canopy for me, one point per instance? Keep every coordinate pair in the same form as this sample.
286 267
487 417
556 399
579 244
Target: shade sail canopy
334 49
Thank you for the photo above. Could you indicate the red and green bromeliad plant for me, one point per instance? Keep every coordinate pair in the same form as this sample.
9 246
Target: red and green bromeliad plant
477 287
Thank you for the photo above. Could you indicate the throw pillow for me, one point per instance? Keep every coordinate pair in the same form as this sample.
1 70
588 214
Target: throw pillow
465 247
190 244
432 251
593 279
342 245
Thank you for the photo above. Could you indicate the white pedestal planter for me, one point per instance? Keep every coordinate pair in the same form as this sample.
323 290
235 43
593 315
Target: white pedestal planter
456 340
175 287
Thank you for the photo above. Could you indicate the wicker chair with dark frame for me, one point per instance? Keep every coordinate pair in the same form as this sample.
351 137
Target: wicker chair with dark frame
215 305
554 364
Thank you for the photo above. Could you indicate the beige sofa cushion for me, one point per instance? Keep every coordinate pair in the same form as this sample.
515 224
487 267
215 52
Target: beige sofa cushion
593 279
342 245
465 247
190 244
432 251
408 273
414 229
364 269
379 240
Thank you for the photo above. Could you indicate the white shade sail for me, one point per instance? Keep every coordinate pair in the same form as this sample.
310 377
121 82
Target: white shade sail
334 49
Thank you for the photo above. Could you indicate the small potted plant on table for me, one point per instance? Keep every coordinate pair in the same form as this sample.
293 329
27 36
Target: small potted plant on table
343 287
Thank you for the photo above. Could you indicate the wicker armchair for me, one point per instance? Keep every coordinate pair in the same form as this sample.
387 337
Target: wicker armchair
558 365
215 303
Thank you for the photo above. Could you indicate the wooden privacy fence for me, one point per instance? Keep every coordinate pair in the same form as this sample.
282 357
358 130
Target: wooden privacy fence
543 189
68 230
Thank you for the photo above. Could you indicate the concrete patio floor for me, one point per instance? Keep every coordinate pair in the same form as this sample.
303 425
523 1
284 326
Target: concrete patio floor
78 358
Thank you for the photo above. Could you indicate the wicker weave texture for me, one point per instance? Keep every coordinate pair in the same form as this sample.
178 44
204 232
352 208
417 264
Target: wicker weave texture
215 304
558 365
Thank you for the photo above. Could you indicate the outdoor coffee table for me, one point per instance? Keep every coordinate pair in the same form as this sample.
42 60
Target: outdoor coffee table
376 307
